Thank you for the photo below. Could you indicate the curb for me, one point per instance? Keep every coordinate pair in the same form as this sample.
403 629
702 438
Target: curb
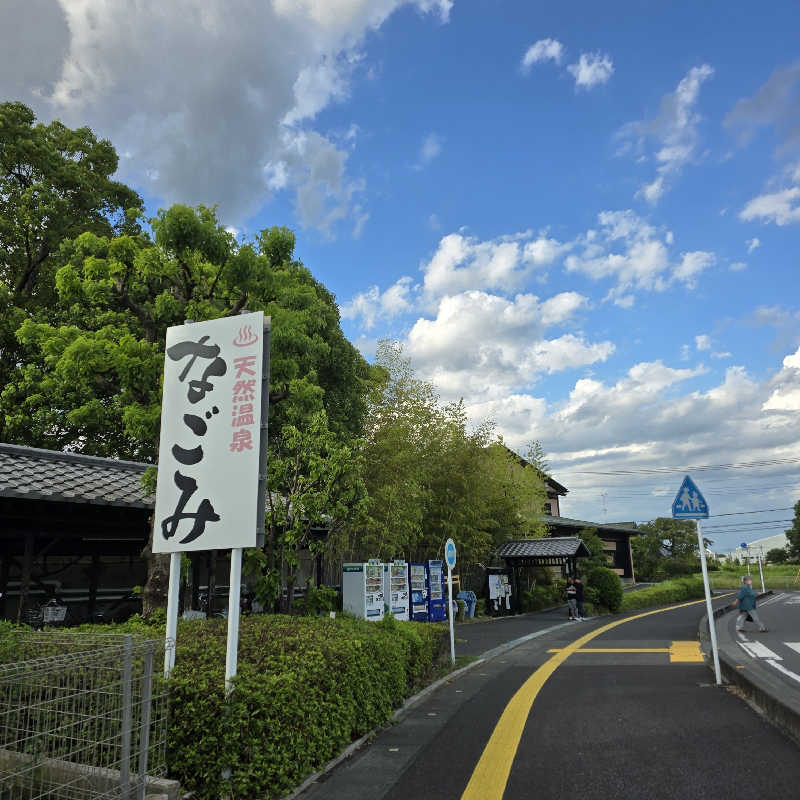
782 714
353 747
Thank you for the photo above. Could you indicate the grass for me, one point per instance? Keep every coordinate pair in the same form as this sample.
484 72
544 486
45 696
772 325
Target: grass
776 576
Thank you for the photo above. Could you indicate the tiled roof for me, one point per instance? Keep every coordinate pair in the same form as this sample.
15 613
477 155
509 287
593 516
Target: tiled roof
35 474
565 522
558 547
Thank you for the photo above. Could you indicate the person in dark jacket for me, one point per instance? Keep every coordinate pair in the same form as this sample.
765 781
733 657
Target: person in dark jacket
579 597
571 602
746 600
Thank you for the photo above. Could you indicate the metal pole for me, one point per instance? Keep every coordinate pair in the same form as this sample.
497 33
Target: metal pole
144 737
712 627
172 613
125 743
234 594
450 606
763 588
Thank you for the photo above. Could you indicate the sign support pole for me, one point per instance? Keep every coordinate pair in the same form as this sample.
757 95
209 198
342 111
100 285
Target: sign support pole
450 607
234 594
761 570
712 627
172 613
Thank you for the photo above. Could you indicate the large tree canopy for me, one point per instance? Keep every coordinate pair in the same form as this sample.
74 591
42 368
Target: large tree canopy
55 183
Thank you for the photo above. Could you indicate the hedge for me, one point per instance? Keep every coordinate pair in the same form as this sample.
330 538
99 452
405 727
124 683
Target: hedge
606 587
305 688
674 591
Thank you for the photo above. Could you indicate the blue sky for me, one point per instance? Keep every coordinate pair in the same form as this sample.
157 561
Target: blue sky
583 219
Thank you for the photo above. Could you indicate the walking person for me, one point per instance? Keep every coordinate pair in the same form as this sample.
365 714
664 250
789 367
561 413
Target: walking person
746 600
571 601
579 597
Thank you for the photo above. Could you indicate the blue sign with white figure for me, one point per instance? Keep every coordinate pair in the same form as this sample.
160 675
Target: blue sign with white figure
450 553
689 503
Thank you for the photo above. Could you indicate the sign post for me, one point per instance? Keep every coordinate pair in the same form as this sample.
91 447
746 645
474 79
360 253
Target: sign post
689 503
450 560
761 572
212 455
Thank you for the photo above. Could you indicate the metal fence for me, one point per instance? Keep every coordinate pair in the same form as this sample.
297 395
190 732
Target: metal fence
82 716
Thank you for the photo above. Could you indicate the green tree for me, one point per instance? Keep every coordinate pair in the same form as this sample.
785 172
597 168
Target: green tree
94 381
793 535
55 184
777 555
596 547
666 547
431 476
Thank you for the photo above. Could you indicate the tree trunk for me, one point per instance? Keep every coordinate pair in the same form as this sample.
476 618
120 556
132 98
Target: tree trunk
154 595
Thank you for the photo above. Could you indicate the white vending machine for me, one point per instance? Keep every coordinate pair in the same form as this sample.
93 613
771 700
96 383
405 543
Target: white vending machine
395 588
362 589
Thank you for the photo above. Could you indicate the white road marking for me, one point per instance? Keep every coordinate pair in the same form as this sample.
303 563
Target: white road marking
793 601
794 645
758 650
783 669
772 600
742 636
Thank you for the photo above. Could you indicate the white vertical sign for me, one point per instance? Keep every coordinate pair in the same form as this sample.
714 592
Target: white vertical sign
207 489
450 560
207 495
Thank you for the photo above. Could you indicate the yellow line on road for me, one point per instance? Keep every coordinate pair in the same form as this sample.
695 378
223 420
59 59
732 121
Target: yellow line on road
615 650
490 776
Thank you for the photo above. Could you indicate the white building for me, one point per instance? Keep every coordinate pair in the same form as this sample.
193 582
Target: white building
760 547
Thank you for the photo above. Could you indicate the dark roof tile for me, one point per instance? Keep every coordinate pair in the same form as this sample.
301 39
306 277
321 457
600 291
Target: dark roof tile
32 473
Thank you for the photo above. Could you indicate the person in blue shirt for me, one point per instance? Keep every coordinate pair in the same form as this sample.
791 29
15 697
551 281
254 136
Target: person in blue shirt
746 600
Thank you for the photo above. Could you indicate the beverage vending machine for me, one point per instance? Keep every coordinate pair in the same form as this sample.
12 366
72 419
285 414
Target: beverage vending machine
418 589
437 604
362 589
395 588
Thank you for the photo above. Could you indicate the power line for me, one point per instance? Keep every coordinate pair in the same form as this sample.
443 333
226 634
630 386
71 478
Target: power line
760 511
772 462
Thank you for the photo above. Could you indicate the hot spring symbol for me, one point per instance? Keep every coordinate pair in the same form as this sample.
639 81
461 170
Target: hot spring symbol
245 337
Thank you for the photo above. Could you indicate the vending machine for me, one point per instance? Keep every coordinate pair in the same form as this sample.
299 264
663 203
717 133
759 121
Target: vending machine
395 588
362 589
418 588
437 604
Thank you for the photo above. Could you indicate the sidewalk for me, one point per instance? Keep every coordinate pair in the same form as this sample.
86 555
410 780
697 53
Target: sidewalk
773 694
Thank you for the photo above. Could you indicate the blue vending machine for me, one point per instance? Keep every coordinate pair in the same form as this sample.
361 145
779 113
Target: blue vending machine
418 589
437 605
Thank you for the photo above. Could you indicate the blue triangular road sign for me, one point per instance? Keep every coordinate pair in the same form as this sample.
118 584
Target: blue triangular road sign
689 503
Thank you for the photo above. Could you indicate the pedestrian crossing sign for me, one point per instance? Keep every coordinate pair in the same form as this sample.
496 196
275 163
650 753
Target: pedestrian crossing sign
689 503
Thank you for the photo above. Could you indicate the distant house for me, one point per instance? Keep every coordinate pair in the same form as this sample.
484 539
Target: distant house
616 535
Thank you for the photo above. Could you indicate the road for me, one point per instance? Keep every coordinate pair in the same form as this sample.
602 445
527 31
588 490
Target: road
775 654
606 708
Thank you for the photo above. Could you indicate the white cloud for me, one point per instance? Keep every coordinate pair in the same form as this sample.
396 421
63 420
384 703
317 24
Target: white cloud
484 345
635 254
753 244
691 265
685 352
774 104
464 262
591 69
673 132
219 128
543 50
782 208
724 354
737 266
430 148
702 342
373 304
785 394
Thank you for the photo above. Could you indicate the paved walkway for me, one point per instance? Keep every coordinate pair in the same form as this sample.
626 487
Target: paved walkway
610 707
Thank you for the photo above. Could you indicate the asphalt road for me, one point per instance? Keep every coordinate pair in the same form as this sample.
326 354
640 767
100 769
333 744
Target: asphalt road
775 654
601 725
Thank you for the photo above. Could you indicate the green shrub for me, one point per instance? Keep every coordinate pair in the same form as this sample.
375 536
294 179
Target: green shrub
543 595
462 610
306 686
608 586
674 591
318 600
